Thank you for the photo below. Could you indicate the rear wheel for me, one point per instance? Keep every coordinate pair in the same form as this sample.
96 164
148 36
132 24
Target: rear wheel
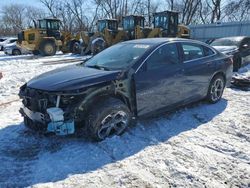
97 45
47 48
107 119
216 89
75 47
16 52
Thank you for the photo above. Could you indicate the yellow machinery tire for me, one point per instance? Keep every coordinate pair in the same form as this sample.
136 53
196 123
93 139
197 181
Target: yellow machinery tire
47 48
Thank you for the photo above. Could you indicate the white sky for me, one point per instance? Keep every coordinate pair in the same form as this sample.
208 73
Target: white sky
25 2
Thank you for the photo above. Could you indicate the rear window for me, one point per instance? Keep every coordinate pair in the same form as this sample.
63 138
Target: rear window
192 51
208 51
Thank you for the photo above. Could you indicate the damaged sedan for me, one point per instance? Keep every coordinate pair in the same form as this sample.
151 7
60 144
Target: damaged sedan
122 83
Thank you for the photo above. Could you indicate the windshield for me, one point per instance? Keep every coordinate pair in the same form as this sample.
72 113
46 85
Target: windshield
53 25
226 42
128 24
119 56
42 24
160 21
101 25
49 24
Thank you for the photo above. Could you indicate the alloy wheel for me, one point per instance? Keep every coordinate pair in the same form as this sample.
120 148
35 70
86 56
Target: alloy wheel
113 124
217 89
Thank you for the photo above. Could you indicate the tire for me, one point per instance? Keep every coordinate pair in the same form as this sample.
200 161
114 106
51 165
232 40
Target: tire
36 52
74 47
107 119
236 63
47 48
216 88
16 52
97 45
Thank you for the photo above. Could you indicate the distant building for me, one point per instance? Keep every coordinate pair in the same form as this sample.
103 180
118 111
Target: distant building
205 32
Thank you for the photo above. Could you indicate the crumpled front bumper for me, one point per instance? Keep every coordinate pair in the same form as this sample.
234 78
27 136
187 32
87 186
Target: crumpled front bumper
53 120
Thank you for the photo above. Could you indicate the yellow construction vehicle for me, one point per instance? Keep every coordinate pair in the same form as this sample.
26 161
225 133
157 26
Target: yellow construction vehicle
165 24
183 31
107 34
45 38
133 25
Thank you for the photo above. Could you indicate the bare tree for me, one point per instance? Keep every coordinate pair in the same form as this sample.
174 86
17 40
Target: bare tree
51 5
238 10
16 17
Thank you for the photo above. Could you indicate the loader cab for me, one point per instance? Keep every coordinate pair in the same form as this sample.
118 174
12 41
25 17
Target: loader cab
167 21
130 22
51 26
110 24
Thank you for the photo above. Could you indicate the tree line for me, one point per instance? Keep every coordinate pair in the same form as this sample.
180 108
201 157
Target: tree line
81 15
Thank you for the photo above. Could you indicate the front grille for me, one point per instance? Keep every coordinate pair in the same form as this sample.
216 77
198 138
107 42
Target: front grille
37 100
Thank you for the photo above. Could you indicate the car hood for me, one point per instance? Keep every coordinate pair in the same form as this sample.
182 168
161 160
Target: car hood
224 49
71 78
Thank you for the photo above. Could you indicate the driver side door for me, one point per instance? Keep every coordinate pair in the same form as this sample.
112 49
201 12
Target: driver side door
158 81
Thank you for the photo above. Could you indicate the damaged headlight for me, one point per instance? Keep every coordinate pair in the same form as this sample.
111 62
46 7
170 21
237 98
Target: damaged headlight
66 100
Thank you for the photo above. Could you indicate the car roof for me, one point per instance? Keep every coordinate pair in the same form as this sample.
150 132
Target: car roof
233 38
158 41
155 40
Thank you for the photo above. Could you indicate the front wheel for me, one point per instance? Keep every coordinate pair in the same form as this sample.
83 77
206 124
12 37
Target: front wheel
16 52
107 119
216 89
47 48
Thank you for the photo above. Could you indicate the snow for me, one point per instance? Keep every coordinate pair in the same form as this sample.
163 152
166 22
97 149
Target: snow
201 145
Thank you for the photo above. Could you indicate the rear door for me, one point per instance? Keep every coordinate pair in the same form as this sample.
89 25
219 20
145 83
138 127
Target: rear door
158 80
198 66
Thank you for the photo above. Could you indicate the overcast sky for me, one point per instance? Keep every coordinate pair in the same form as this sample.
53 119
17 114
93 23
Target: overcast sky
40 5
25 2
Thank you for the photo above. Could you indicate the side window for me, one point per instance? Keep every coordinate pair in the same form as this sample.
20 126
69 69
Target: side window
163 57
207 51
192 51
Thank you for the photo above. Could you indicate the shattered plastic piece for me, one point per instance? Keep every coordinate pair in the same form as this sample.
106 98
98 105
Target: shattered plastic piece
241 82
57 124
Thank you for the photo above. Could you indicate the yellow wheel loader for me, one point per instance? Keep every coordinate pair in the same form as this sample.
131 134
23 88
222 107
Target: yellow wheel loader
45 38
165 25
133 25
107 35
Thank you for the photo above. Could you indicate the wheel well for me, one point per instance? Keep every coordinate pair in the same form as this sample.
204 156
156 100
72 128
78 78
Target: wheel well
221 74
99 98
16 50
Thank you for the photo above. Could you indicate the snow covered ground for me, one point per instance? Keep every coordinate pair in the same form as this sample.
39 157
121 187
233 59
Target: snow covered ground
201 145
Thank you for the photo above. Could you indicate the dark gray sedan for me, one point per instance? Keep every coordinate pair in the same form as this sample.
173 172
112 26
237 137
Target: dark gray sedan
128 80
238 47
